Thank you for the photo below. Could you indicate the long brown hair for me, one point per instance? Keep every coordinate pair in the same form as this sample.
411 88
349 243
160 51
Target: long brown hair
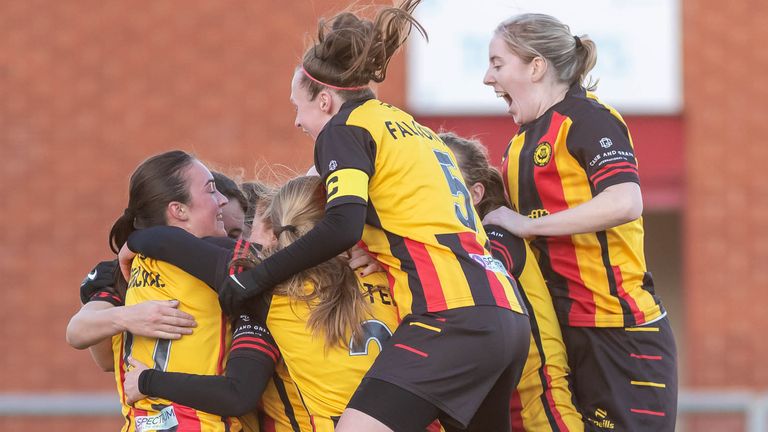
472 157
156 182
336 302
257 197
352 51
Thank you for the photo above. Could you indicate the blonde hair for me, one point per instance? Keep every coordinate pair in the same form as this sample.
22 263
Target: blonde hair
534 35
257 198
352 52
336 303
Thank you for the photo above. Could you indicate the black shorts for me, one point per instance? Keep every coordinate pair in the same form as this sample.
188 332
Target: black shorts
624 379
459 362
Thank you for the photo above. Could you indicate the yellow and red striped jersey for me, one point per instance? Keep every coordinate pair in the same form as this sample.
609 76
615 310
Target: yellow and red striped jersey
542 400
577 149
420 224
202 353
109 295
119 368
323 379
282 407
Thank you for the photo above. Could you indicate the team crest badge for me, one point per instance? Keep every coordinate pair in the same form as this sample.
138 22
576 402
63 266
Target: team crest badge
543 154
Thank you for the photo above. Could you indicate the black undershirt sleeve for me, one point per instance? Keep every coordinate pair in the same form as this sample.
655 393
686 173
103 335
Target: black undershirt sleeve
206 259
251 363
234 394
507 248
99 284
339 230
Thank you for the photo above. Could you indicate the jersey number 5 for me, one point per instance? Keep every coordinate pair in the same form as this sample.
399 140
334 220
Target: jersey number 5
467 218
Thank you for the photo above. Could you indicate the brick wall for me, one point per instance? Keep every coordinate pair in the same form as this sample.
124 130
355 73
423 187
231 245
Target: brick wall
726 222
88 89
727 199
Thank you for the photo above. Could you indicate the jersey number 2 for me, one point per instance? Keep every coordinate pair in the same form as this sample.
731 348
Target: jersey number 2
160 354
467 218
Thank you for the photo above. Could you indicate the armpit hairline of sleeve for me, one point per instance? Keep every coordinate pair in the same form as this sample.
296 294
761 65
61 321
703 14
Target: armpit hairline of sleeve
616 179
252 354
111 301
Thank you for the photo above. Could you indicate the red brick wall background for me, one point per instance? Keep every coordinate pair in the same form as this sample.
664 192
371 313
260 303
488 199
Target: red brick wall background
727 207
89 88
726 215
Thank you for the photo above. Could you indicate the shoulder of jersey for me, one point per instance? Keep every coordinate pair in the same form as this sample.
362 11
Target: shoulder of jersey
581 107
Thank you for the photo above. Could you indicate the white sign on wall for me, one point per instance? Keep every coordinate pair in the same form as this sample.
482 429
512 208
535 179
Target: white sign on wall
638 47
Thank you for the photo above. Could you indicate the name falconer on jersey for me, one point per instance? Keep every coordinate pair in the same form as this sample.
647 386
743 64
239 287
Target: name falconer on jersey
401 129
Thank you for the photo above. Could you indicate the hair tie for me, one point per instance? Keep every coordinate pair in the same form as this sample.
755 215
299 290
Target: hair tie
578 42
279 230
329 85
129 213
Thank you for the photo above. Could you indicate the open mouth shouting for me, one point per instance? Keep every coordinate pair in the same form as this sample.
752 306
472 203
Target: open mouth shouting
501 94
504 95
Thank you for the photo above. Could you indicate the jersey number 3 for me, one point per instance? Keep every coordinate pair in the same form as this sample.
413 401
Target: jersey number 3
467 217
373 331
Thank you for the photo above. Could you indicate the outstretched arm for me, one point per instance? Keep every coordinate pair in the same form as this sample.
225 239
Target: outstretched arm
340 229
614 206
344 156
203 259
233 394
249 368
99 320
104 315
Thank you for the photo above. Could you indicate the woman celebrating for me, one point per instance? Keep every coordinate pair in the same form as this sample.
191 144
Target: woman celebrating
543 399
571 174
328 326
393 184
173 189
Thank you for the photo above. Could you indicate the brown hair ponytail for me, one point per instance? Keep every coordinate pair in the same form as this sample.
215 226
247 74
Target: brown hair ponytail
351 52
156 182
472 157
